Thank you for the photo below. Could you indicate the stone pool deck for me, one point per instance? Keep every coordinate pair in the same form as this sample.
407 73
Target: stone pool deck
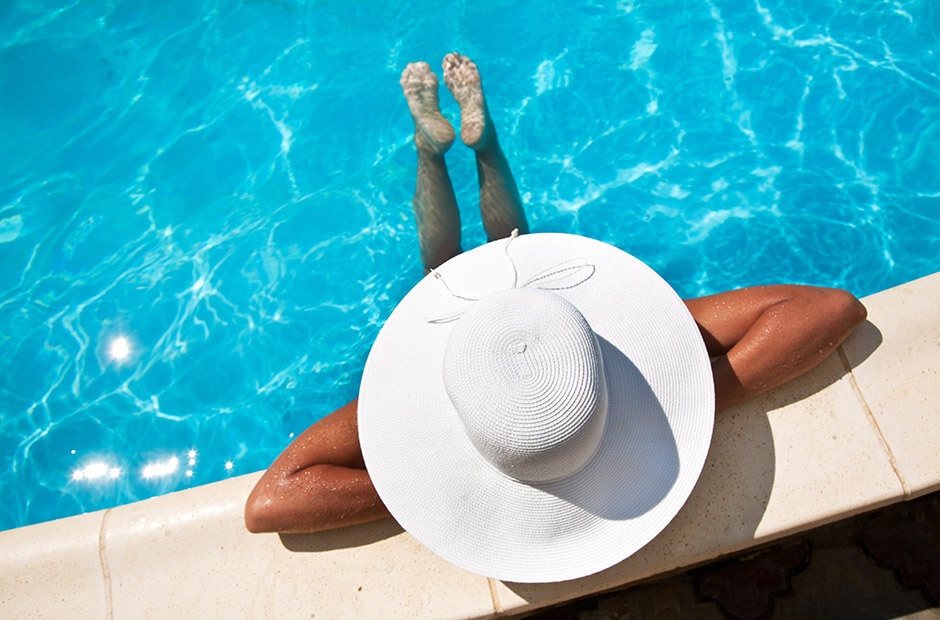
859 432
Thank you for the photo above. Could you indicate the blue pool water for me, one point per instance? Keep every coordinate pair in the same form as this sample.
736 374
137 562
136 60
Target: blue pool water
204 206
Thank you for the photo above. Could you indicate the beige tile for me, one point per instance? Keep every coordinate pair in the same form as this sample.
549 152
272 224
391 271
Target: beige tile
830 462
189 555
895 359
52 570
802 455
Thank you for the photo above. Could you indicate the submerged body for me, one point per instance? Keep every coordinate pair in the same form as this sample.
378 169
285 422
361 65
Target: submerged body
757 338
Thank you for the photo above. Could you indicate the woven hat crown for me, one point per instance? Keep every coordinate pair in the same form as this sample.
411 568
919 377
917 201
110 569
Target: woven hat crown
524 372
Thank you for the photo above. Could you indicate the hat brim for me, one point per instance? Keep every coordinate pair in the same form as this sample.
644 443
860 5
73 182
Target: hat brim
660 418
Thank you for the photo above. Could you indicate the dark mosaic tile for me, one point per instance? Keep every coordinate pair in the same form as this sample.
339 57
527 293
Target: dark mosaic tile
880 565
745 587
907 539
842 582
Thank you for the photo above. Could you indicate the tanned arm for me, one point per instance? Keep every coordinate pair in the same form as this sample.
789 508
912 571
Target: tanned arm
763 336
318 483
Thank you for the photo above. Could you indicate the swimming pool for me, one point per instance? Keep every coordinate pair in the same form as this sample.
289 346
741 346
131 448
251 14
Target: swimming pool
204 206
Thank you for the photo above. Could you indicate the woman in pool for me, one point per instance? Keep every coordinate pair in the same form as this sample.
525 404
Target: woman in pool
757 338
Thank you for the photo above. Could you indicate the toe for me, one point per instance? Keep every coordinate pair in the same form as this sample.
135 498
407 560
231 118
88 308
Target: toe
451 61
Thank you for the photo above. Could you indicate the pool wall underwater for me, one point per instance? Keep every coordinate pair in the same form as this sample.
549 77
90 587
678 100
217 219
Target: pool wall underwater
205 206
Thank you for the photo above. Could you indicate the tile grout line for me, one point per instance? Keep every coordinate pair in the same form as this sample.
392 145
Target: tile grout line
494 595
873 421
105 569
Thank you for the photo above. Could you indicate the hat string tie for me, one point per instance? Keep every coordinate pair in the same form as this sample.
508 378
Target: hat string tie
565 275
515 272
440 278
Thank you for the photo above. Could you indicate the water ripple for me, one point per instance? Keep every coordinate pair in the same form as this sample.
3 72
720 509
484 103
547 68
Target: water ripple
204 223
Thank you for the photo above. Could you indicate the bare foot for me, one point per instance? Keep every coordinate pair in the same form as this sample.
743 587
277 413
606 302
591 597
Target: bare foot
463 80
432 131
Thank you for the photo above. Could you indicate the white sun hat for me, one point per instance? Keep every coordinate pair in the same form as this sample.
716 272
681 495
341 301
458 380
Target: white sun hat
537 409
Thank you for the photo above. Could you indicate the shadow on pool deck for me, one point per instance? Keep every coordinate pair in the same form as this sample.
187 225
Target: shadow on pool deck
341 538
878 565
